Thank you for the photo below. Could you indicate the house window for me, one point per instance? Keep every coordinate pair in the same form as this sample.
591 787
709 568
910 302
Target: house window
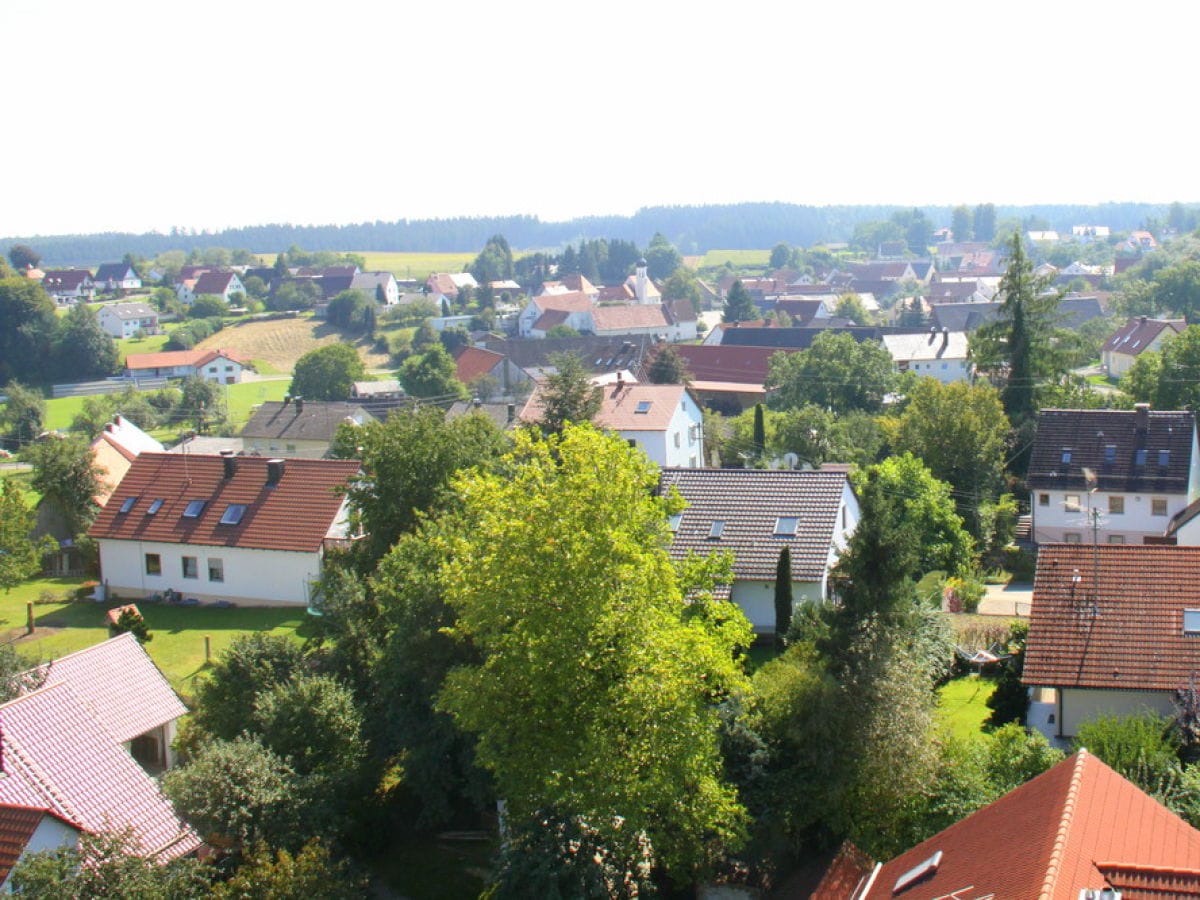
1139 457
678 440
1116 506
717 528
153 564
216 569
1116 538
233 513
212 370
1043 499
1071 502
290 448
1191 621
127 505
1158 506
193 509
155 506
1066 455
643 406
1072 537
674 520
191 568
785 526
1110 454
1164 458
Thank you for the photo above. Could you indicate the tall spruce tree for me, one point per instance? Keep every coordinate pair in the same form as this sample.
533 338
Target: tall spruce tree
739 306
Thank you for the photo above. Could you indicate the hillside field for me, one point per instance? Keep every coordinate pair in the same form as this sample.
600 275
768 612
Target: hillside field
280 342
417 266
739 258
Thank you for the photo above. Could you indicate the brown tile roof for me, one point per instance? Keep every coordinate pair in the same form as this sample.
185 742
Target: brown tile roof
1131 637
314 420
170 358
294 515
17 825
1068 440
120 685
614 293
474 362
679 310
572 301
1136 334
1050 838
577 282
614 319
216 283
441 283
749 501
725 362
65 279
620 404
549 319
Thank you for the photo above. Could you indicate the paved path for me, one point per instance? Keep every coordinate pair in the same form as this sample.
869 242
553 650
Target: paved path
1007 600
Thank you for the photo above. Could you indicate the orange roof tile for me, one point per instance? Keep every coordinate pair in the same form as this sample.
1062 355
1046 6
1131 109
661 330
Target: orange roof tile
618 318
169 358
475 362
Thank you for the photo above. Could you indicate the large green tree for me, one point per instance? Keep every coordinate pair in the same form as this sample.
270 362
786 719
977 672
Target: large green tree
23 413
23 257
668 367
567 394
28 328
431 376
661 257
959 431
327 373
1178 382
20 554
85 350
594 687
65 472
251 665
494 262
836 372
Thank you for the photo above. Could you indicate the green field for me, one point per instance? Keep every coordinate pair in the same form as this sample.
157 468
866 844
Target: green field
177 632
962 704
714 259
153 343
242 398
403 265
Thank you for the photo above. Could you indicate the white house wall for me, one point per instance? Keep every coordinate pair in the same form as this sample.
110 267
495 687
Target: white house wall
1078 705
757 600
50 834
251 577
1054 522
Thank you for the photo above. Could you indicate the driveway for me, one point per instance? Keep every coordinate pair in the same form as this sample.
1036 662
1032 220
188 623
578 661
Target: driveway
1007 600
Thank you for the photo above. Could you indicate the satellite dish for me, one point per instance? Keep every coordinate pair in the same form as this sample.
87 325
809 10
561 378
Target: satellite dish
791 460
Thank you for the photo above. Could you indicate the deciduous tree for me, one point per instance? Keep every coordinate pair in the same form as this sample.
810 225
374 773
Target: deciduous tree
327 373
568 394
20 554
836 372
23 413
65 472
594 688
23 257
431 376
668 367
661 258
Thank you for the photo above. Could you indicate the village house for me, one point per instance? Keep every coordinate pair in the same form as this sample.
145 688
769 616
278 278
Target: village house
1133 339
117 277
299 427
1117 475
754 514
218 366
242 529
218 284
79 752
1078 831
114 450
940 354
124 320
68 286
380 287
1112 631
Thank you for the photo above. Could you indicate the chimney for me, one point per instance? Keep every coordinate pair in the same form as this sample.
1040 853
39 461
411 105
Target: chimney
299 405
477 403
274 472
945 337
932 333
229 462
512 412
1141 416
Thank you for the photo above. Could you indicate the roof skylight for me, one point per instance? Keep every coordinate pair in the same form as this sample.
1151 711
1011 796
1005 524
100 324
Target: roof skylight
643 406
193 509
233 513
785 526
127 505
155 506
718 526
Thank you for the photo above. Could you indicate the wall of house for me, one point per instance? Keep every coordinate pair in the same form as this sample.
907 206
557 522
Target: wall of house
222 371
285 447
944 370
757 600
1053 521
250 577
681 445
1078 705
50 834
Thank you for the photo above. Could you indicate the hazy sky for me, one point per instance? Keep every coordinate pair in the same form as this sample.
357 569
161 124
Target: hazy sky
144 115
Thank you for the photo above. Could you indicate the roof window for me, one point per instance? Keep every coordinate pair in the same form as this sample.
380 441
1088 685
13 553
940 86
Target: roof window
717 528
155 506
1164 458
674 520
1139 456
1066 454
233 513
193 509
785 526
1110 454
127 505
643 406
1191 621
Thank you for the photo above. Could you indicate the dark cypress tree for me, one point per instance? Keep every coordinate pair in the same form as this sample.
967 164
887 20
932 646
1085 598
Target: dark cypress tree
1018 288
783 595
739 306
760 431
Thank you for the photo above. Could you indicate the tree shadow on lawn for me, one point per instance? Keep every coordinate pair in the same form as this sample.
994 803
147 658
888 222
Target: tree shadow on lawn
180 619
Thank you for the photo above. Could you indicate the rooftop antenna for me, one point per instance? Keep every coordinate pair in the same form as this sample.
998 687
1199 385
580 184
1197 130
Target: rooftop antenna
1089 477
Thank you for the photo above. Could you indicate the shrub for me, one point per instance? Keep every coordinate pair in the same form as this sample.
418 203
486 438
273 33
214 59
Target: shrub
963 594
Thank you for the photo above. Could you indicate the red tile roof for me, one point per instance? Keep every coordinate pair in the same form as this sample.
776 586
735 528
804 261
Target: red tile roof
56 755
295 515
614 319
1134 638
120 686
572 301
216 283
169 358
17 825
65 279
1137 334
550 318
1054 836
475 362
725 362
748 502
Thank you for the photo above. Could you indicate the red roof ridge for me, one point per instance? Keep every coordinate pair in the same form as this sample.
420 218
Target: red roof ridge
1059 849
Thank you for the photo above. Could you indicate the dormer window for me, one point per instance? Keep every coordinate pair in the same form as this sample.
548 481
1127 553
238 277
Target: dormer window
127 505
1139 457
717 528
785 526
193 509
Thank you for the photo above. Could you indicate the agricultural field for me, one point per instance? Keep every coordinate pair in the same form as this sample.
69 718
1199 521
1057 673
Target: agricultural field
714 259
403 265
280 342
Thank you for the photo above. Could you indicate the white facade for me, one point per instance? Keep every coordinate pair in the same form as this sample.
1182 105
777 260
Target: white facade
50 834
126 326
681 445
221 370
1061 711
248 577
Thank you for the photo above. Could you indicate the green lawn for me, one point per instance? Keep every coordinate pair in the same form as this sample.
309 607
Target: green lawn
961 704
153 343
61 411
177 632
739 258
242 398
